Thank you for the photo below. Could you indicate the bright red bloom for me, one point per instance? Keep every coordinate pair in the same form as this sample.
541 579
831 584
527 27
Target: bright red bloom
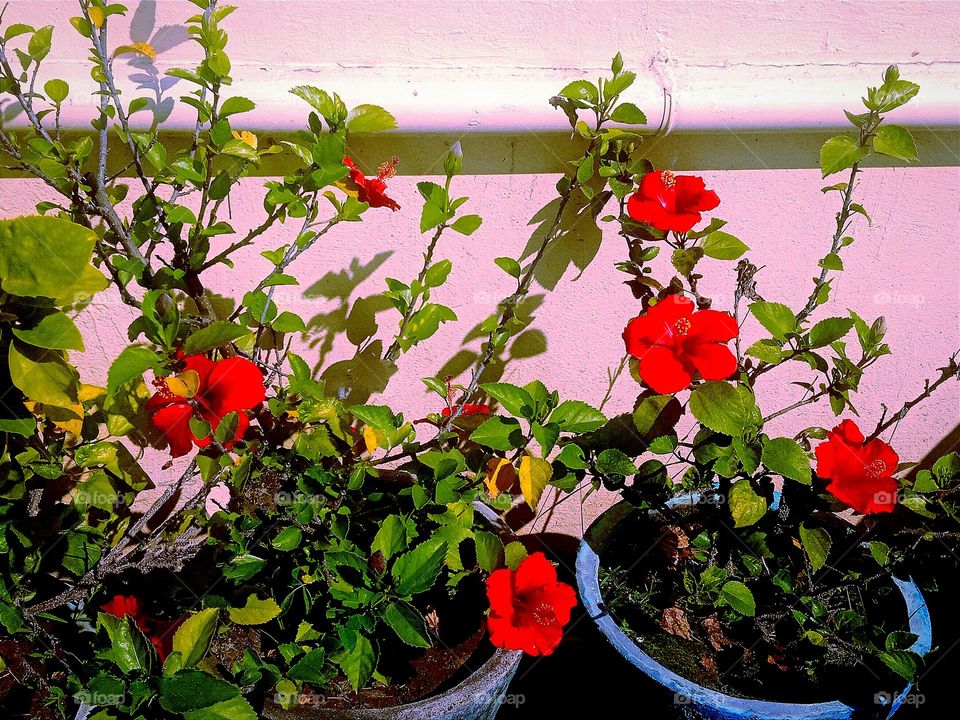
860 474
672 340
122 605
231 385
468 410
671 202
373 190
528 606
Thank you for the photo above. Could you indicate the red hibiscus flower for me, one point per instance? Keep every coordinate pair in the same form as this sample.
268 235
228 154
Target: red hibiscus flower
231 385
860 474
671 202
121 606
467 411
528 606
373 190
672 341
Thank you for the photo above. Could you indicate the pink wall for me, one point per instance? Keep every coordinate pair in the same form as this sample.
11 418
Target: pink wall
907 266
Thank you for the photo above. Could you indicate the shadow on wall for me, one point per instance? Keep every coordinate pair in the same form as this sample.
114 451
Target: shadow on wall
368 373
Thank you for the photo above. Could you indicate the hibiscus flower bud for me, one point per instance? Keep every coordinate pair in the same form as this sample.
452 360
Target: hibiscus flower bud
453 164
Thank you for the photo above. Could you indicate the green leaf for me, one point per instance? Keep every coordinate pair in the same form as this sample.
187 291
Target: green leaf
499 433
213 336
489 550
288 322
766 350
577 417
408 624
255 611
128 647
437 273
467 224
191 690
416 571
193 636
738 596
234 105
615 462
902 662
719 406
310 668
816 543
237 708
775 317
357 662
891 95
628 114
839 153
43 255
895 141
510 266
425 322
132 362
746 506
287 539
785 457
829 330
370 118
514 554
54 331
57 90
581 90
831 261
240 149
43 375
515 400
39 45
723 246
391 538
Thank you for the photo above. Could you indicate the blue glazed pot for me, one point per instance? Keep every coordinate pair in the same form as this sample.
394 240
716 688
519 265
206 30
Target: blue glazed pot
703 702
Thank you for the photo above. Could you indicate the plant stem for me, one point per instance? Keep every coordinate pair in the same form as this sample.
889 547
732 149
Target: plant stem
393 352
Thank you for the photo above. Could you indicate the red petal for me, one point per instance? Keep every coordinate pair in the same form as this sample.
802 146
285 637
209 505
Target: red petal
173 421
642 332
200 364
533 573
878 450
713 361
663 372
682 222
848 431
866 496
672 308
500 593
234 384
712 326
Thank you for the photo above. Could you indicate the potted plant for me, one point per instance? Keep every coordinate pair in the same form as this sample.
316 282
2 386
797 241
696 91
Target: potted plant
306 552
751 574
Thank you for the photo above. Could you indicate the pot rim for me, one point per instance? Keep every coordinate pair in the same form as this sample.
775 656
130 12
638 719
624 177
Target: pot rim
501 663
587 570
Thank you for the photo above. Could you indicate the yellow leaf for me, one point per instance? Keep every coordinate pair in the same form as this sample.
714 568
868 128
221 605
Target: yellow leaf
89 393
185 384
246 136
535 473
68 418
500 476
370 438
143 48
97 16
